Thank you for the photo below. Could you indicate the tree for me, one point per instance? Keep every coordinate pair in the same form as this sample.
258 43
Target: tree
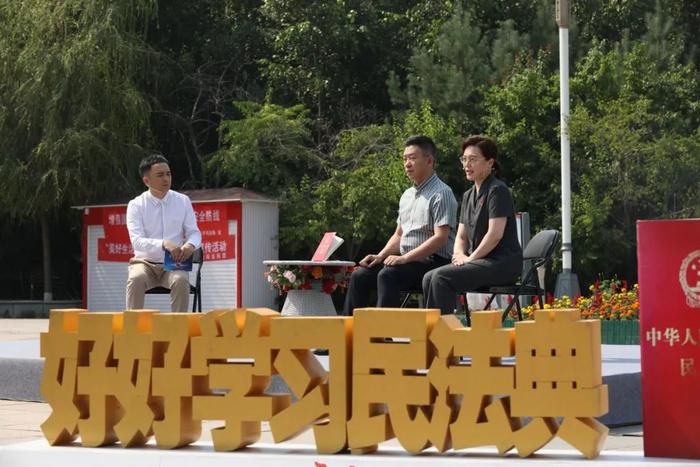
448 73
267 150
634 133
207 58
72 121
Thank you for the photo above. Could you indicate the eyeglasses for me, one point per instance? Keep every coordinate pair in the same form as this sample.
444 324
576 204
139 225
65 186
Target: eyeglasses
471 160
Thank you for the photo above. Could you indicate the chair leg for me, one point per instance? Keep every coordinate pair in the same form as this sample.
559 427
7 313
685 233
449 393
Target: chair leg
405 299
520 312
488 304
467 311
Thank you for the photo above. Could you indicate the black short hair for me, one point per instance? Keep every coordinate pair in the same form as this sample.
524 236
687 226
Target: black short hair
423 142
149 161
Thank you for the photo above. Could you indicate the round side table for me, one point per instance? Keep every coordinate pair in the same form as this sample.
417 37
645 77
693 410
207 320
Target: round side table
308 302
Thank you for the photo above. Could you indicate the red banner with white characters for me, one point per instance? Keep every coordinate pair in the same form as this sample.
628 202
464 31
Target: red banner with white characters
211 216
115 246
114 222
668 254
112 249
218 248
212 221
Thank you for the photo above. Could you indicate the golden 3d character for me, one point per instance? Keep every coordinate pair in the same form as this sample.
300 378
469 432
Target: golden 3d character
559 375
323 398
133 350
59 348
173 380
234 352
391 354
97 377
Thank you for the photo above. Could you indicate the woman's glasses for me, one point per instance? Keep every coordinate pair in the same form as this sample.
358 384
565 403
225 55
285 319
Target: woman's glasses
471 160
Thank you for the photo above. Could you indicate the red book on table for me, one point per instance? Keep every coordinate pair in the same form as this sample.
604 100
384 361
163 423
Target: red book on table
329 243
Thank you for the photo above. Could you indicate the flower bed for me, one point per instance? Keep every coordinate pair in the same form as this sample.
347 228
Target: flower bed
612 332
611 301
287 277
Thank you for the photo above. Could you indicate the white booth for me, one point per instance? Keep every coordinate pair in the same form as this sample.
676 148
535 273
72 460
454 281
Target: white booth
239 230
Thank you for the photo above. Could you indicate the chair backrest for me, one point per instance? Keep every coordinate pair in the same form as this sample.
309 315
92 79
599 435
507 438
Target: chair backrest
539 250
541 246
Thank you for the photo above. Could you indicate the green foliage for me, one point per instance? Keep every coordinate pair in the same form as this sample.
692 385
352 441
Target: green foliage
456 68
448 72
207 58
267 150
522 114
507 45
358 200
334 57
637 144
71 117
604 19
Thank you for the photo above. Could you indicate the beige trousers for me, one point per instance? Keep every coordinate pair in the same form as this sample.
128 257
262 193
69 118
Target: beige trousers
144 275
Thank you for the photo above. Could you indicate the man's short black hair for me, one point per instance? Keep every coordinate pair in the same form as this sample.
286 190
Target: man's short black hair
149 161
424 143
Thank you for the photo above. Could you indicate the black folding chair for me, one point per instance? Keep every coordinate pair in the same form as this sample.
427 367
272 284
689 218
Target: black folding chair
196 289
538 251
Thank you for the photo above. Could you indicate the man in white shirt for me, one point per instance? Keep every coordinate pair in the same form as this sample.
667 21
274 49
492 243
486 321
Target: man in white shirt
159 219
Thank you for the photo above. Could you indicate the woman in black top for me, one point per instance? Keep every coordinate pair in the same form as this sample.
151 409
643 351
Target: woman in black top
486 250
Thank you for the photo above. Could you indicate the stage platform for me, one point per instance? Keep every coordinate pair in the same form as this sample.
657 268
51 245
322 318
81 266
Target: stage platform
30 454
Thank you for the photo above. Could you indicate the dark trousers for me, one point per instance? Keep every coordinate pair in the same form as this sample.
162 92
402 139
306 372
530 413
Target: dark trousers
442 285
388 281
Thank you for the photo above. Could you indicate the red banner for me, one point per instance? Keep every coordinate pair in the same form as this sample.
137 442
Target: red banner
668 253
115 246
211 220
211 216
111 249
219 248
114 222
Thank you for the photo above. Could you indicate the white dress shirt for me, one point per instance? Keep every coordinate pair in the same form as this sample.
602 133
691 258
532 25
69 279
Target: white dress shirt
151 220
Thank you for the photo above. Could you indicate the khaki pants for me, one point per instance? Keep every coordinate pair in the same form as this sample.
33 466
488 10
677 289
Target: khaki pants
144 275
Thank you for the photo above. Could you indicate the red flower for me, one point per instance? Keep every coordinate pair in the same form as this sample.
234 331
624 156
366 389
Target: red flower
329 286
306 285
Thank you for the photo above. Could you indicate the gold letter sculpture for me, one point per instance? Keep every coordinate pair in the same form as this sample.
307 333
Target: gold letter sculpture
411 374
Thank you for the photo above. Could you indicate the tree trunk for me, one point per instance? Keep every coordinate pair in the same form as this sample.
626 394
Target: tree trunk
46 250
